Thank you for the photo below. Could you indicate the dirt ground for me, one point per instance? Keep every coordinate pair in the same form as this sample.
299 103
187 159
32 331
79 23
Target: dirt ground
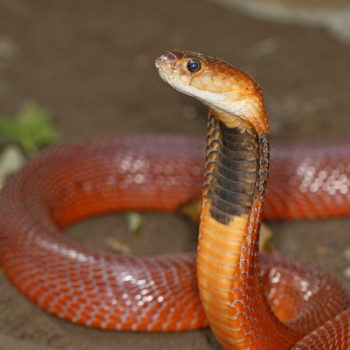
91 64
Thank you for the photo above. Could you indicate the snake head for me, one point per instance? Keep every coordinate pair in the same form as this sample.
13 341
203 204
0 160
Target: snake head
231 95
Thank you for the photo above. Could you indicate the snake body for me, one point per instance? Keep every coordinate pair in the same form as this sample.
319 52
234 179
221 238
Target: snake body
271 302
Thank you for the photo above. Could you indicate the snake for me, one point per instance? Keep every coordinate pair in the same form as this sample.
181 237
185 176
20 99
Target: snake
249 299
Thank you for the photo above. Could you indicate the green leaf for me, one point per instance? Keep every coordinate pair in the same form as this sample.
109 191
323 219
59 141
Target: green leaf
31 129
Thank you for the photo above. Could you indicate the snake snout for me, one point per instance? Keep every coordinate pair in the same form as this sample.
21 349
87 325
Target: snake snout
168 59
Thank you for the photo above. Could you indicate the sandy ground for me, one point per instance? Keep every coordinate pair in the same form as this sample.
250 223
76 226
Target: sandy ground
91 64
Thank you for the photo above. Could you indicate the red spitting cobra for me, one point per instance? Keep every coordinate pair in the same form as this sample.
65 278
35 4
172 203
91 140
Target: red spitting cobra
250 302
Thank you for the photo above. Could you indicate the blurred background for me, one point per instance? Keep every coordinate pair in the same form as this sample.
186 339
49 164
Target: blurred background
89 67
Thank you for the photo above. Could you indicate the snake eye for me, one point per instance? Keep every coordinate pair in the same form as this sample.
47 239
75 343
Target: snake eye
193 65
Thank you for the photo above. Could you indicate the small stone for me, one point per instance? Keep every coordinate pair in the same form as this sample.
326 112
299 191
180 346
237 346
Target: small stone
347 272
11 160
346 253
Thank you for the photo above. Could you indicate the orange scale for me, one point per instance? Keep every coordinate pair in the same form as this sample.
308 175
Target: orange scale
177 314
142 325
149 314
47 301
89 308
75 282
238 306
68 297
128 322
115 318
186 319
112 279
214 306
190 310
30 285
83 317
36 295
100 283
59 305
95 324
227 333
111 304
136 312
100 316
92 296
157 326
186 322
162 314
110 325
51 277
50 284
178 297
64 290
81 300
172 324
70 313
169 306
74 305
88 287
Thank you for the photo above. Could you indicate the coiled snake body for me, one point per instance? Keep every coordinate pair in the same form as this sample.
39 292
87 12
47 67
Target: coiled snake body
270 302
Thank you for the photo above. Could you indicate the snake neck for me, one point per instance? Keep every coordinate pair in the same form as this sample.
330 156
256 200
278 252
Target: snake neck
228 254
